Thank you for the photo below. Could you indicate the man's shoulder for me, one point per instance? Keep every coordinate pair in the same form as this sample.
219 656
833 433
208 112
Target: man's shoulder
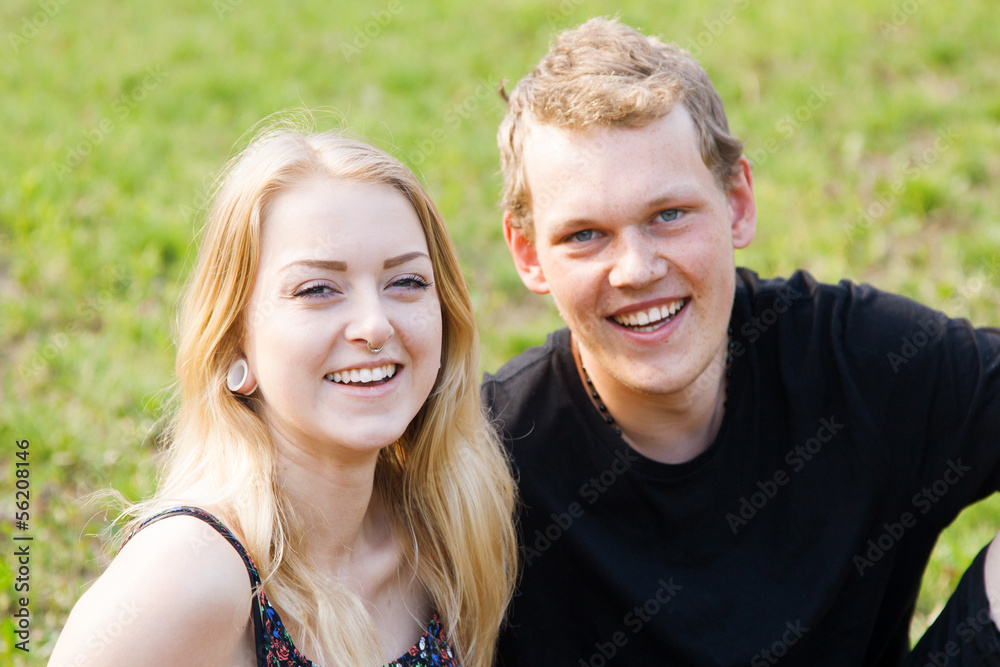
870 333
525 388
800 287
846 299
532 362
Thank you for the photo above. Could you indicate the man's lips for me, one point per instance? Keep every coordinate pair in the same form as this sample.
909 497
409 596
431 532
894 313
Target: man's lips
650 319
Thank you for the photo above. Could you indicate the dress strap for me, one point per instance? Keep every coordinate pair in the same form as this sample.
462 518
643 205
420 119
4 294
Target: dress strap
260 642
212 521
272 642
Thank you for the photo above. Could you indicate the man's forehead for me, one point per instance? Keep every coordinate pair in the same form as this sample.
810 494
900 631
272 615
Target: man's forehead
614 173
675 128
554 152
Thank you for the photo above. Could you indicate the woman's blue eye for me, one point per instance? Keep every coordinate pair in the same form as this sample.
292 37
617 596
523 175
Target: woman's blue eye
314 290
583 235
669 215
413 282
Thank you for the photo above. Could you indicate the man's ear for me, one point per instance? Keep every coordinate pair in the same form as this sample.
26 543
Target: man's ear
525 257
743 206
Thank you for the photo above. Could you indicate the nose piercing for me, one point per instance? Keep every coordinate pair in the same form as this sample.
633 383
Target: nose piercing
376 350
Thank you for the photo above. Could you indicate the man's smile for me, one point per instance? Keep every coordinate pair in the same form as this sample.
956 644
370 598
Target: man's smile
649 319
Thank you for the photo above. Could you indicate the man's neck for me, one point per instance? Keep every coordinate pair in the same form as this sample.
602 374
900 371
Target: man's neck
669 428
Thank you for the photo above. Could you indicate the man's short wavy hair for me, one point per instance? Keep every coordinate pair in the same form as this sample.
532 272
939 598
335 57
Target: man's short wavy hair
603 73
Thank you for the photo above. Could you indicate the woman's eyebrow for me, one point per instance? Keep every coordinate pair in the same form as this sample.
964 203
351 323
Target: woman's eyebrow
326 264
336 265
403 259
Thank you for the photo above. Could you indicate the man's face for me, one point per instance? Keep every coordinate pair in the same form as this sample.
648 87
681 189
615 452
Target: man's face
634 240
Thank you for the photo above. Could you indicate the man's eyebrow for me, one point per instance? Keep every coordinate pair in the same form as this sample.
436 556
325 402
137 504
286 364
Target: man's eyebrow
671 195
676 193
403 259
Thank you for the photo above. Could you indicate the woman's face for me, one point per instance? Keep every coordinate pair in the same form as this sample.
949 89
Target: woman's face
344 268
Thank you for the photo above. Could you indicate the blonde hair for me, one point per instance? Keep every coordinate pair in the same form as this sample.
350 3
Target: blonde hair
604 73
446 480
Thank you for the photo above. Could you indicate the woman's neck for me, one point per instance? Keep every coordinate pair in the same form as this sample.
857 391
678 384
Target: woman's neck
335 500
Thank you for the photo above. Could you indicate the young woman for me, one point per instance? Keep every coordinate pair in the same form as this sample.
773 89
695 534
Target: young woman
334 493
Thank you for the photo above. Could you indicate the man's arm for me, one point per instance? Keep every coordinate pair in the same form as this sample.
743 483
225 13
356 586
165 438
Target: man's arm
965 632
992 579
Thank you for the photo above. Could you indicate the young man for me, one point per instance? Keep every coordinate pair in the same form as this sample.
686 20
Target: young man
716 469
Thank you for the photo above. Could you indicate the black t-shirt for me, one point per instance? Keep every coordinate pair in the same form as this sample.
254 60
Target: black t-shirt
858 424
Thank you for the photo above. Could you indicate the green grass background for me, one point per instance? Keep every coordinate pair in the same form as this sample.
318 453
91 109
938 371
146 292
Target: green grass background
115 116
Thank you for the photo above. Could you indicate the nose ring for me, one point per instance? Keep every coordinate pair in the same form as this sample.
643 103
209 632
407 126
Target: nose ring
375 350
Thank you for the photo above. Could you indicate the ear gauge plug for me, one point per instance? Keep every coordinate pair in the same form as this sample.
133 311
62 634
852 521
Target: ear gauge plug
238 380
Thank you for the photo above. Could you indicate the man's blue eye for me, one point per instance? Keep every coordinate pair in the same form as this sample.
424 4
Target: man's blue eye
669 215
584 235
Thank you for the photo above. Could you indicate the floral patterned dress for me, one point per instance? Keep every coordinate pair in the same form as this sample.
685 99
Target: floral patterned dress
274 647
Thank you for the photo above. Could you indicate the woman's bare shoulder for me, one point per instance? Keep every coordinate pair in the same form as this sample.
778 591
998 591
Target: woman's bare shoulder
177 593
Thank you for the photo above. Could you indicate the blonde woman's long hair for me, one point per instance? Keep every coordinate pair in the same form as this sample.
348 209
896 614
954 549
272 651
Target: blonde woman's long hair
446 481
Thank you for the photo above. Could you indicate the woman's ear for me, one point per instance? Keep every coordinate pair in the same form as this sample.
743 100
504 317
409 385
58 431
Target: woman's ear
240 379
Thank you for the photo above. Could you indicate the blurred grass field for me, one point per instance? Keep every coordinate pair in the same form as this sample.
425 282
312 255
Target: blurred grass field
874 128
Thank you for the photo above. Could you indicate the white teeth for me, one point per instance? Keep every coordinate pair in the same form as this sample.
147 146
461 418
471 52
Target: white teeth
351 375
650 316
